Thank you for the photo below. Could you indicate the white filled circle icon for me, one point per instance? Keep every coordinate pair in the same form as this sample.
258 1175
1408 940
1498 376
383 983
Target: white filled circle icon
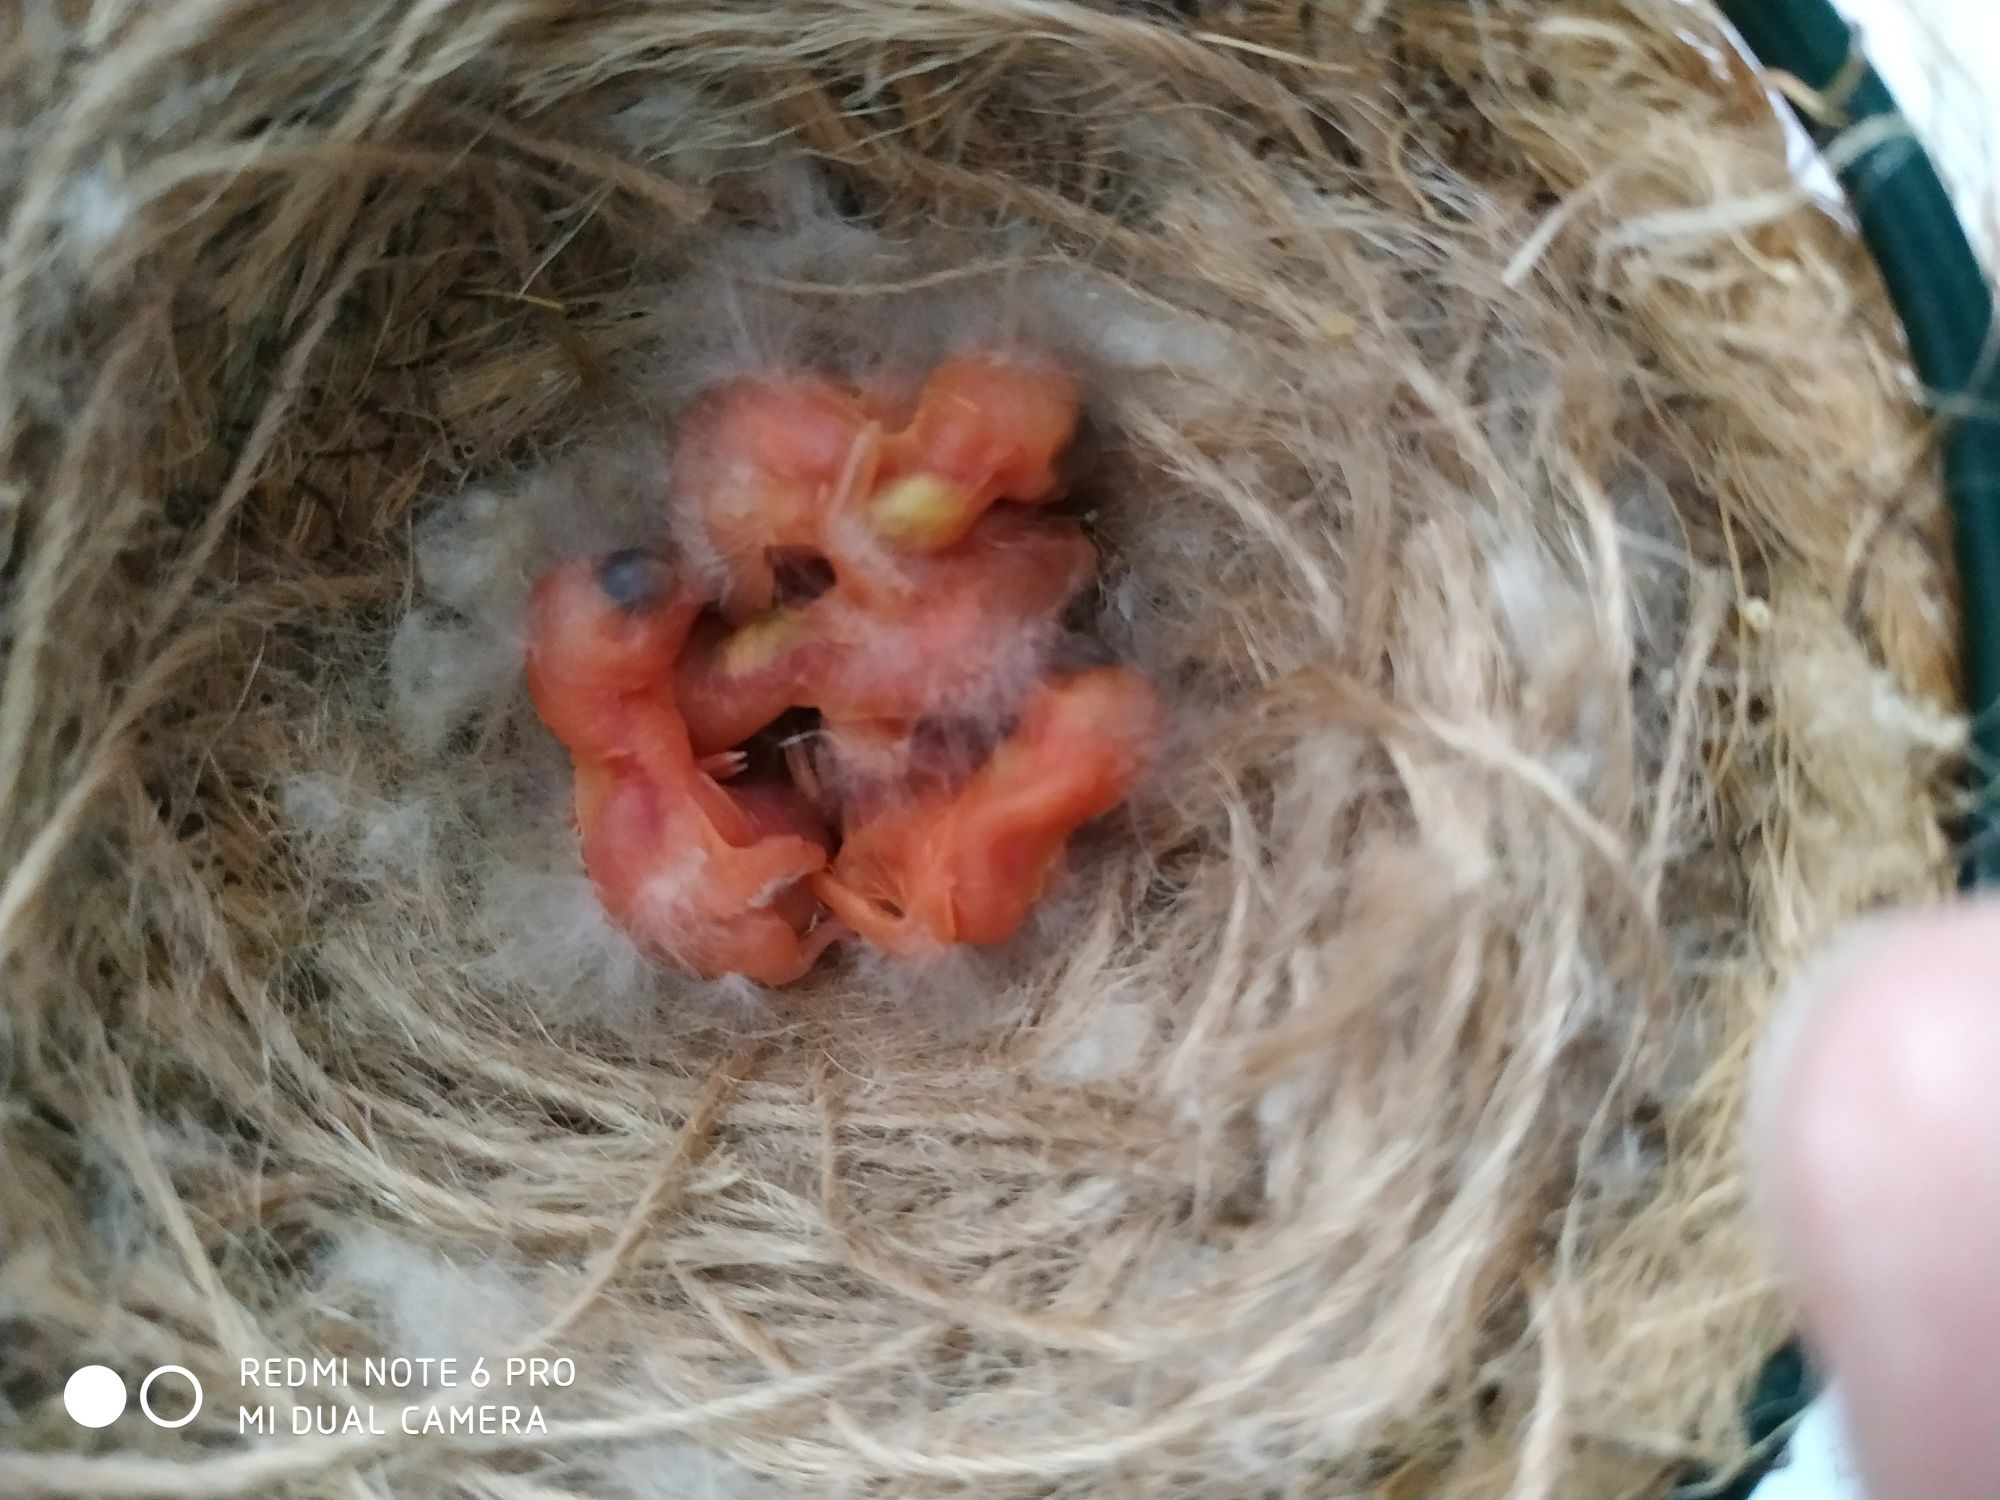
146 1392
94 1396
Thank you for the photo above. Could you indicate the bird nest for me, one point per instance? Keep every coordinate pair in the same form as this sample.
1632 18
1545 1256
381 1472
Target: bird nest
1502 466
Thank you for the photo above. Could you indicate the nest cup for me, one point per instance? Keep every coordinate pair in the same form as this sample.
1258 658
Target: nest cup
1506 468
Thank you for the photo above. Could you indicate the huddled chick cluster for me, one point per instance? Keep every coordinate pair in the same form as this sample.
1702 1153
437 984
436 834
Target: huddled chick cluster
863 569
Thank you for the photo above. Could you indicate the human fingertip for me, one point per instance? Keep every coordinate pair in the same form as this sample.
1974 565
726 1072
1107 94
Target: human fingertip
1875 1145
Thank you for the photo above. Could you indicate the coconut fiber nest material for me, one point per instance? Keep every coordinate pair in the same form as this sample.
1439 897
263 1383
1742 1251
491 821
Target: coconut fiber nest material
1506 470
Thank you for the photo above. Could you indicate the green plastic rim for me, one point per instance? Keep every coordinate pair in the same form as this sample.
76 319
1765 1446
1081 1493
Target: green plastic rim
1946 307
1941 295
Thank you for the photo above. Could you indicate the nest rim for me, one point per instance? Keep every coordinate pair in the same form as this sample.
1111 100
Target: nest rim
1941 298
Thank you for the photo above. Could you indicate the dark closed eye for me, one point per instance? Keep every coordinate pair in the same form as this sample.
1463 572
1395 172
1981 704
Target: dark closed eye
631 579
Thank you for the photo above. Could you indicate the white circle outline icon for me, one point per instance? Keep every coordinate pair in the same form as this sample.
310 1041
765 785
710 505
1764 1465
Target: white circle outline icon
94 1396
146 1389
